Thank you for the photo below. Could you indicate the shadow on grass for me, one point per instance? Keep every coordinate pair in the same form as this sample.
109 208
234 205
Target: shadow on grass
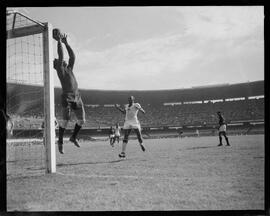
201 147
96 162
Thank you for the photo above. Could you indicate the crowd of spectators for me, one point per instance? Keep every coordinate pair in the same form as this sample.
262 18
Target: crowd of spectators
157 115
179 115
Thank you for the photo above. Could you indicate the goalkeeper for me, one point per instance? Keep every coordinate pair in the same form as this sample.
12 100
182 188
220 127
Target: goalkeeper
71 98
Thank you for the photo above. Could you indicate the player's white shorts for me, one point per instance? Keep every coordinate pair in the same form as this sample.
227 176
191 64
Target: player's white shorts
222 128
111 135
117 132
132 125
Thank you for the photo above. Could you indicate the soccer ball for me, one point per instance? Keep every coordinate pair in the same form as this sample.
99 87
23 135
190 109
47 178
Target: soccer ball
56 33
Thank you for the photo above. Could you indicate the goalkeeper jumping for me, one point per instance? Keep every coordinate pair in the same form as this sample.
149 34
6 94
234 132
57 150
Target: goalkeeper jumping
71 98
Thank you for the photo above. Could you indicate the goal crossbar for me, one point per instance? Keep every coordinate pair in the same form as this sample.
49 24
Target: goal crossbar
25 31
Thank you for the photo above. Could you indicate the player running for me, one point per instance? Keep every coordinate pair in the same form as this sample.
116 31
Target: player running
117 133
111 136
131 122
71 98
222 129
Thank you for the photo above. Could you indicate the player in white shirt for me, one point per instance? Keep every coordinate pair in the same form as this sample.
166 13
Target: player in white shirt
111 136
117 130
131 122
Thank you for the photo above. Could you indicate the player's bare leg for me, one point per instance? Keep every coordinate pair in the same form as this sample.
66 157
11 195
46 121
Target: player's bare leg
123 152
139 136
125 141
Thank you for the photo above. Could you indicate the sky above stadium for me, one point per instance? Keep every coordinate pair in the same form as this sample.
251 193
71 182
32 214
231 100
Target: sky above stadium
146 48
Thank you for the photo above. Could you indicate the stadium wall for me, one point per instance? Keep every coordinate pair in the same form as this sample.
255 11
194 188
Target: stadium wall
102 97
245 128
159 97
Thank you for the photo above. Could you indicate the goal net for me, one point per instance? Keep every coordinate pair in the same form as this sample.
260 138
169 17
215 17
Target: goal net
30 96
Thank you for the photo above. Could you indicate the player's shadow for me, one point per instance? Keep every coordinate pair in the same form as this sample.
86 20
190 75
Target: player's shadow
200 147
89 162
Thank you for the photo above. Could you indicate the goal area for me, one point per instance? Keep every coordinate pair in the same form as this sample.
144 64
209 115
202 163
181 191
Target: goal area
30 96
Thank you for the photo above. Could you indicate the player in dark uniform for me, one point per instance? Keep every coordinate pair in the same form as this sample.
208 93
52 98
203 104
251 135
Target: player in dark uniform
222 129
71 99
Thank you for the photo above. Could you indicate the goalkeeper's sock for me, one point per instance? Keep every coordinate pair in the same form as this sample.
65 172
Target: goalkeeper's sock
76 130
61 134
75 141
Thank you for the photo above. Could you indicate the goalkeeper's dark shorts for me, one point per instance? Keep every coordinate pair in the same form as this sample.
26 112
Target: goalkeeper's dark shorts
72 101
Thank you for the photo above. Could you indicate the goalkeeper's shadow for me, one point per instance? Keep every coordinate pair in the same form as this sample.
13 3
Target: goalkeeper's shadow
89 162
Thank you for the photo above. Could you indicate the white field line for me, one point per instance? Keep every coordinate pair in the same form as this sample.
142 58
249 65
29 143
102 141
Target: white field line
141 177
119 176
22 140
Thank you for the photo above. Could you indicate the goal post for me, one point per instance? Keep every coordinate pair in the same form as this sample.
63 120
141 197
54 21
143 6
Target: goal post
21 26
49 126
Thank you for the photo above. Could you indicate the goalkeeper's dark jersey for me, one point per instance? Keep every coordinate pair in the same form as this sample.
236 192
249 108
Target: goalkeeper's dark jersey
67 79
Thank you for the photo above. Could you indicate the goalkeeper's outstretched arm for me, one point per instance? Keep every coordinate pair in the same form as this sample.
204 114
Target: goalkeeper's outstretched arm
60 51
70 52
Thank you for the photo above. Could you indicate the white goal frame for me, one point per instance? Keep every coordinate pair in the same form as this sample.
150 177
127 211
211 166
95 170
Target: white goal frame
48 78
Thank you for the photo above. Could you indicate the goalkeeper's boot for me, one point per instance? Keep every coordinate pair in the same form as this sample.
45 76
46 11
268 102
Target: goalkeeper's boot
122 155
220 144
142 147
75 141
60 147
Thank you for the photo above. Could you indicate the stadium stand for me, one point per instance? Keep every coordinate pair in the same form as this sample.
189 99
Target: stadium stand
163 108
179 115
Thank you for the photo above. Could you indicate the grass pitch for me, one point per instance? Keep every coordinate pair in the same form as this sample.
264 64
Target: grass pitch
173 174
